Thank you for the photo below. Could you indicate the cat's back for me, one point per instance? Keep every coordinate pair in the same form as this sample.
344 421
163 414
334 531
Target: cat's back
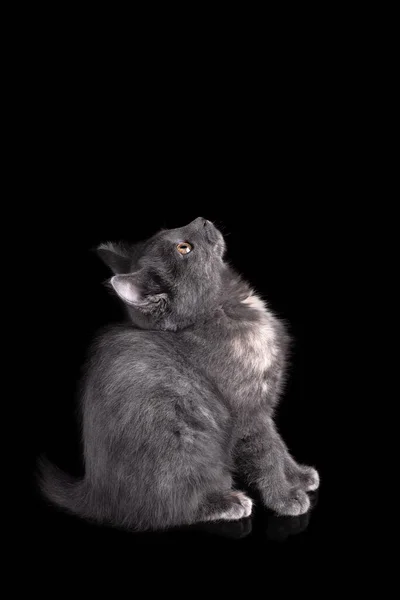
126 344
146 375
125 356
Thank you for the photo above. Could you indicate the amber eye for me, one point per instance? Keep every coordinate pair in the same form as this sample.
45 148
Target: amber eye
184 247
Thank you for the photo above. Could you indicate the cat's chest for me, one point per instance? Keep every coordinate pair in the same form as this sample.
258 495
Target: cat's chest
244 348
254 344
253 349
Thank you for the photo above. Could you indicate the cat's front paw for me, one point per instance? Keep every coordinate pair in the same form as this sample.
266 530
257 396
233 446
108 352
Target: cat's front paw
295 503
302 476
309 479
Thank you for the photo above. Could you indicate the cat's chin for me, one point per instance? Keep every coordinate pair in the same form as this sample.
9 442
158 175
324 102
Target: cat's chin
215 237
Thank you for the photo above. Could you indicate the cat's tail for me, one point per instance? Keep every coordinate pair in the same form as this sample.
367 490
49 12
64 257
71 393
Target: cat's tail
62 489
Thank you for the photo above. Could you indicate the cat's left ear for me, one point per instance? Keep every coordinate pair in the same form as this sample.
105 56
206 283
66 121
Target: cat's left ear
131 290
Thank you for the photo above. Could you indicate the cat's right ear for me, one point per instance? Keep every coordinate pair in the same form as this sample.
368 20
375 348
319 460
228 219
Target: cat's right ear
115 256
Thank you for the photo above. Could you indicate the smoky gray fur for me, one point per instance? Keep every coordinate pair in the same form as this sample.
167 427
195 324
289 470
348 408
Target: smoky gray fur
179 400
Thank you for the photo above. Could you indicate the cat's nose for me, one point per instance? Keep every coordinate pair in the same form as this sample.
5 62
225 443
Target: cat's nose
201 222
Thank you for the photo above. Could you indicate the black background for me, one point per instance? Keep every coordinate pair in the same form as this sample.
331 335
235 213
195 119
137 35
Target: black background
108 154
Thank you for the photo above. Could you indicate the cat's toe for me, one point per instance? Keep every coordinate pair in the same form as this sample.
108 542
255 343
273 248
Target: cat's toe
297 503
246 502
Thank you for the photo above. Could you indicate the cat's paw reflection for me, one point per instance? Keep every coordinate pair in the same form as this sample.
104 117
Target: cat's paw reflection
279 528
234 530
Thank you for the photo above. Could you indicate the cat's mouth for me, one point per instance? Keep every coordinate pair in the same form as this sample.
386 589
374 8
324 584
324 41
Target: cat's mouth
211 232
210 235
215 237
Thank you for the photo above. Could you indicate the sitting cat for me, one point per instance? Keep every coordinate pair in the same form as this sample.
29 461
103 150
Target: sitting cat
181 397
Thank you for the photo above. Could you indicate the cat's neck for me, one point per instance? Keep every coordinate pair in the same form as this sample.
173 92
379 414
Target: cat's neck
236 302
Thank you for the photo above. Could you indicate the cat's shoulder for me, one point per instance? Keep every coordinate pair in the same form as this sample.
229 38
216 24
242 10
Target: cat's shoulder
124 336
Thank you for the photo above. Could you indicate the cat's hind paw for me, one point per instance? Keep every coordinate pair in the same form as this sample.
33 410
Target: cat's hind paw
231 506
245 501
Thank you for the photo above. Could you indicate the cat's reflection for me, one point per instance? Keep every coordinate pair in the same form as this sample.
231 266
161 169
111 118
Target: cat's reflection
280 528
261 524
276 528
234 530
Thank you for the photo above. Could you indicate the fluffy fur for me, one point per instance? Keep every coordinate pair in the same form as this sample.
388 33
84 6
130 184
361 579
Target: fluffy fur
181 397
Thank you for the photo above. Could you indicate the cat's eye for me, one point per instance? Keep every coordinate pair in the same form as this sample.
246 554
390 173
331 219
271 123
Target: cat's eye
184 248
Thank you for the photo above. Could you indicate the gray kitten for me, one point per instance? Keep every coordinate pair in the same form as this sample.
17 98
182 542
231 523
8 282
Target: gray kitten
181 398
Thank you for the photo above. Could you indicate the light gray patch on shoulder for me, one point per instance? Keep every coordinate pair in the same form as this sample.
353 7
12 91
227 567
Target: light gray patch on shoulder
253 301
264 387
256 345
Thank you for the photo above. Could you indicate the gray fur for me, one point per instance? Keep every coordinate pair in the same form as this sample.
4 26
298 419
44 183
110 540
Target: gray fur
181 397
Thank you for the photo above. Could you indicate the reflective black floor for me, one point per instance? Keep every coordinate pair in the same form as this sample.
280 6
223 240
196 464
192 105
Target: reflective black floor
262 531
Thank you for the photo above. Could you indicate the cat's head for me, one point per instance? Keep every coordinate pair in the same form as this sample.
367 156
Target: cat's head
171 280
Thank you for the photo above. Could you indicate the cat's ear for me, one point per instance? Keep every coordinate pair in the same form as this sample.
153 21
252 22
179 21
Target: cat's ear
128 288
115 256
131 290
